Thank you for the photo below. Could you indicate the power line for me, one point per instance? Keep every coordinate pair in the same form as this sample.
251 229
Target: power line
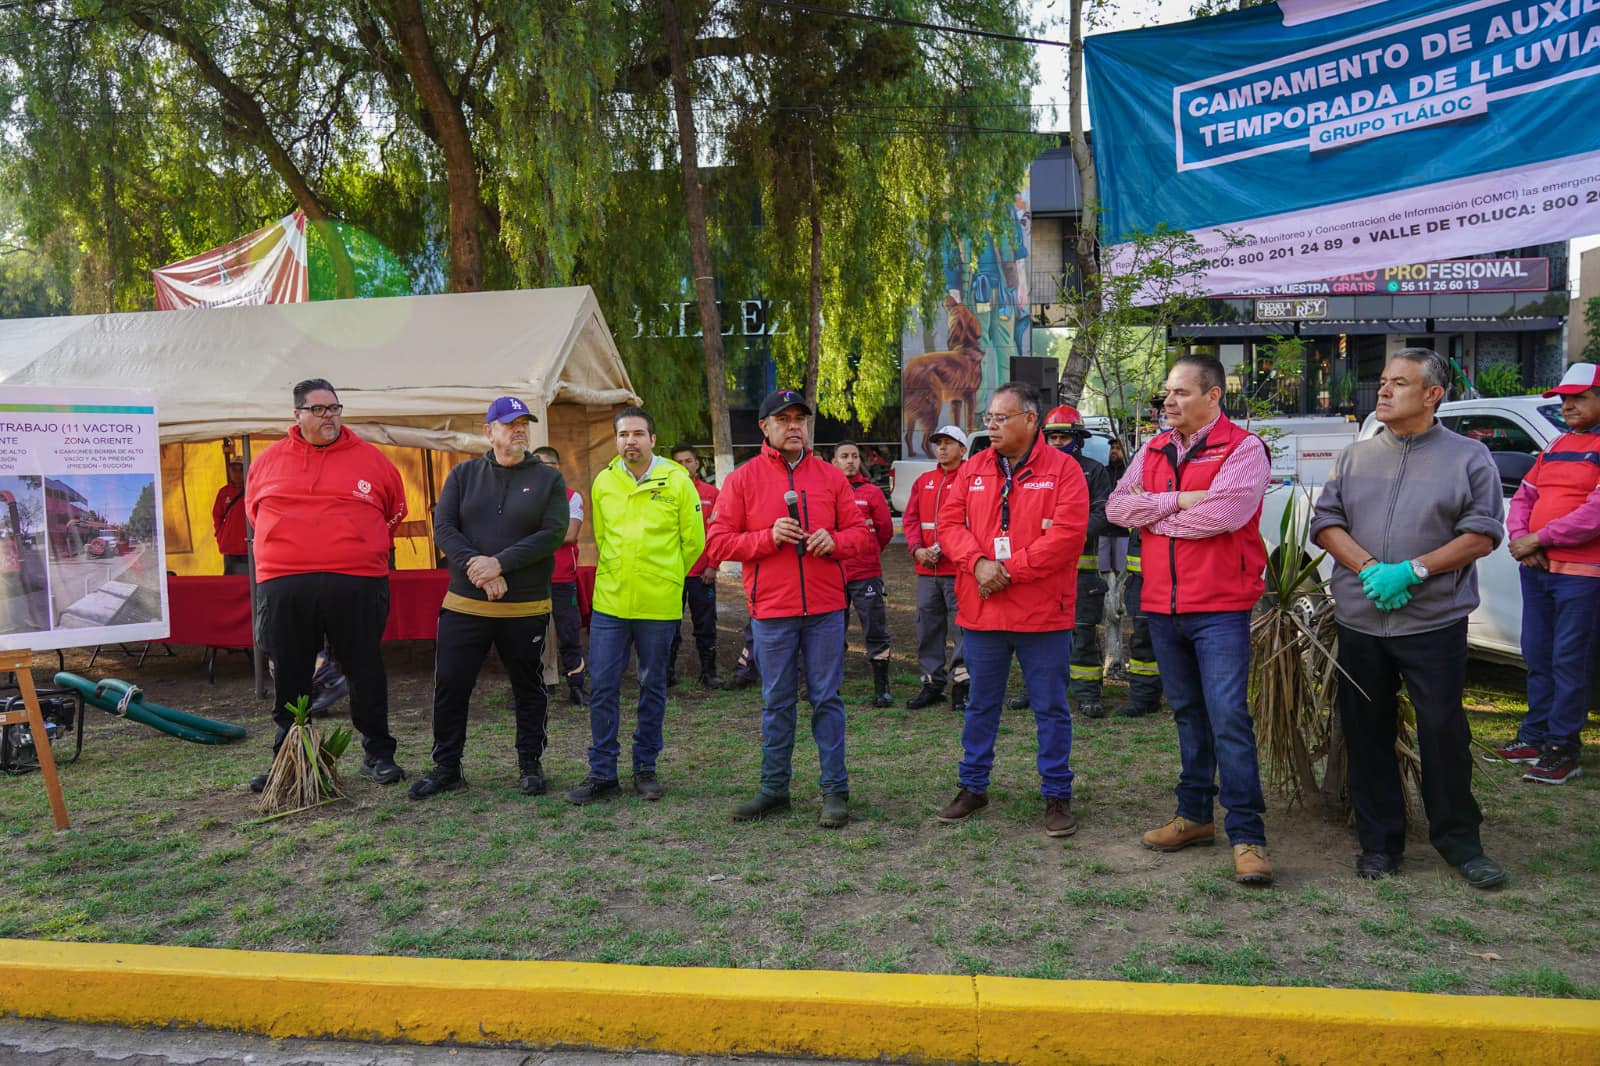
814 9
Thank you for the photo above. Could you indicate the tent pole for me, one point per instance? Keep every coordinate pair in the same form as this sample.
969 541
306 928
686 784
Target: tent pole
258 657
427 479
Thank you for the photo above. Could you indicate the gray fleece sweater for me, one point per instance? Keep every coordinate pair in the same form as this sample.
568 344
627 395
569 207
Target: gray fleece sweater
1401 497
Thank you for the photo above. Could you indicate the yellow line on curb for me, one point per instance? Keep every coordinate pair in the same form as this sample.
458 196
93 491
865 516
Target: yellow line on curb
900 1017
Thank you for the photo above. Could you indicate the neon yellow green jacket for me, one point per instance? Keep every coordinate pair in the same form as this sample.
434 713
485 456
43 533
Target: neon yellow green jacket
648 534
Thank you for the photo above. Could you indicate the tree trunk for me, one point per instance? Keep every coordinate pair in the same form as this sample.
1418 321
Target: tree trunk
1085 249
814 317
455 141
705 284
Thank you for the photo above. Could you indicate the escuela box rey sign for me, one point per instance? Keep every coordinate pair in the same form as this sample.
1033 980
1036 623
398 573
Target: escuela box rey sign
1397 131
1449 275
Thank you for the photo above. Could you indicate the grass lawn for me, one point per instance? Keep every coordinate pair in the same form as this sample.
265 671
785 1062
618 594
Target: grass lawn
160 853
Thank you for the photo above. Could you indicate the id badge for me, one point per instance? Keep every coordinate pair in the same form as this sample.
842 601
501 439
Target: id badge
1002 549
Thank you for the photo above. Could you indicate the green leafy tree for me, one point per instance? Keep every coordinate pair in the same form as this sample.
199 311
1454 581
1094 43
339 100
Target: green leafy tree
1591 320
142 517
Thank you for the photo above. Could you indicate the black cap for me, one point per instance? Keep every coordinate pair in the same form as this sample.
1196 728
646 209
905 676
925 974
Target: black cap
782 400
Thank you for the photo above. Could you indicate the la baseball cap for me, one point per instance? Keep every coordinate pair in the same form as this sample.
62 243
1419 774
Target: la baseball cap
782 400
509 409
953 432
1580 377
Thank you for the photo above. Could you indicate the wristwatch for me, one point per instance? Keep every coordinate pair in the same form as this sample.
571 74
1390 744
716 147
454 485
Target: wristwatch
1419 570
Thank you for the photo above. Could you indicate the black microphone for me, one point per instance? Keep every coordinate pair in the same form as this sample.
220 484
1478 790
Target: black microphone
793 500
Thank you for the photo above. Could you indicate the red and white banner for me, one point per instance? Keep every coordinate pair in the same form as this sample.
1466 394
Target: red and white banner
264 267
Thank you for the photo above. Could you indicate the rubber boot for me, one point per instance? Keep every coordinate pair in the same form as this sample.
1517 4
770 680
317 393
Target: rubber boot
577 695
709 678
958 697
932 692
880 684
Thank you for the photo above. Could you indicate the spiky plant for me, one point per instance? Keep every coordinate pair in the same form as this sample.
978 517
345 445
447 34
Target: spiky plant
305 772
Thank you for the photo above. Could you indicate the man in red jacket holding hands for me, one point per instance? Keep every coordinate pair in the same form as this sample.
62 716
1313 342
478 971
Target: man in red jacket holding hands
324 503
1014 524
789 519
863 574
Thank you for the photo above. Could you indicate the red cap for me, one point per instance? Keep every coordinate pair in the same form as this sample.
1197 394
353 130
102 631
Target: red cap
1580 377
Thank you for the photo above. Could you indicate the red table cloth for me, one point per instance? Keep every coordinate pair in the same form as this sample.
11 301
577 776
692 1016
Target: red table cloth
215 610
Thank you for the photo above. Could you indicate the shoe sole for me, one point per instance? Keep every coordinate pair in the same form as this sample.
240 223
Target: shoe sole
649 797
1576 772
761 815
1059 833
832 823
1205 842
585 801
1494 882
456 787
958 819
383 780
1495 756
1253 879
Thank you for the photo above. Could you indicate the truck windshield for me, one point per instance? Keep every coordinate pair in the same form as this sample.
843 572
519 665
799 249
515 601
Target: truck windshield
1552 414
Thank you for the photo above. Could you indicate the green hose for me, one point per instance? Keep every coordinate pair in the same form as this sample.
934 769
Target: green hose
184 726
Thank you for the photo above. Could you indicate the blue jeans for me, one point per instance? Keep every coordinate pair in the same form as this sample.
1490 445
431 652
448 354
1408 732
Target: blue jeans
1560 639
1205 669
1044 659
784 647
610 641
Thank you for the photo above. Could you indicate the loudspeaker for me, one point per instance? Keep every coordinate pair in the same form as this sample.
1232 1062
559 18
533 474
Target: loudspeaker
1040 373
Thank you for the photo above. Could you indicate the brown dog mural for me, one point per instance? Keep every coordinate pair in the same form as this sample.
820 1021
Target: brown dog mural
952 377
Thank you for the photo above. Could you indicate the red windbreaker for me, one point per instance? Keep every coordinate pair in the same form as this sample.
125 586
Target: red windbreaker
323 510
227 520
875 509
922 516
708 503
1049 512
778 581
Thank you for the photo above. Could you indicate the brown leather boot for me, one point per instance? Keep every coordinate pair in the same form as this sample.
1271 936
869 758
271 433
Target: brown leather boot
1250 865
1058 820
1179 834
965 803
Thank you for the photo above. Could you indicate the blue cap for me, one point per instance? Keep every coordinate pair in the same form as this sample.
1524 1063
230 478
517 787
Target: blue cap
509 409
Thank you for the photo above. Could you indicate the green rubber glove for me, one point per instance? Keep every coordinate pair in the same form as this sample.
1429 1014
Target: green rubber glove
1385 582
1396 603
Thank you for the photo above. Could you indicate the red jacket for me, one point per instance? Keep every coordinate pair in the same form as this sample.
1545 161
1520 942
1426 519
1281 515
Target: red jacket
566 556
1049 505
227 520
922 516
875 509
778 581
708 503
323 510
1566 474
1220 573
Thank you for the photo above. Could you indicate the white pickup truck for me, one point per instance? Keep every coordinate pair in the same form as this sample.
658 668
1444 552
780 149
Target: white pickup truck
1515 429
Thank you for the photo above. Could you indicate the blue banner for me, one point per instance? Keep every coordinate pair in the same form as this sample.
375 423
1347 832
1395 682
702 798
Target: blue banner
1389 132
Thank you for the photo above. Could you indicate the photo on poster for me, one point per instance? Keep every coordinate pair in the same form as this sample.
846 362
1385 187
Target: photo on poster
104 567
24 579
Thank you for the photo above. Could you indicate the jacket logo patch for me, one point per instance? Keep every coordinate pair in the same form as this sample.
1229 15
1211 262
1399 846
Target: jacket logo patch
1040 485
977 482
364 486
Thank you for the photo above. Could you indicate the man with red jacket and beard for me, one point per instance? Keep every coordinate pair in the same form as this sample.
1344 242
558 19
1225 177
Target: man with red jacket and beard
863 574
1014 523
789 519
324 504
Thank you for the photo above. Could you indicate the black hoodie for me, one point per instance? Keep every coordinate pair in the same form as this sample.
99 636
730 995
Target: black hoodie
517 514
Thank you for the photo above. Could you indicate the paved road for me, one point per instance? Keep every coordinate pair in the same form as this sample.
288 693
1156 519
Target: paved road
27 1043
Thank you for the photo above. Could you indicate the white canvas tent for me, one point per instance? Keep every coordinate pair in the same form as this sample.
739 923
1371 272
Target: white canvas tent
415 373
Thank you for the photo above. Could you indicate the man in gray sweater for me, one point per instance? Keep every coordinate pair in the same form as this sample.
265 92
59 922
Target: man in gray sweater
1405 515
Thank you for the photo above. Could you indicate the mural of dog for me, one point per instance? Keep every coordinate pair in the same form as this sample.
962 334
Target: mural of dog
934 379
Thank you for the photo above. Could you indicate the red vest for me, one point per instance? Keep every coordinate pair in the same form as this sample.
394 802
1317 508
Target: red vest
1220 573
566 558
1567 472
708 505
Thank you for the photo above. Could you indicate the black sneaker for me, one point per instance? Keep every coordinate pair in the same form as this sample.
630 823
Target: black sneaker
1376 865
592 791
958 697
381 769
1556 766
258 783
1483 872
532 781
439 779
1017 703
1091 709
931 693
646 785
1136 710
760 807
575 693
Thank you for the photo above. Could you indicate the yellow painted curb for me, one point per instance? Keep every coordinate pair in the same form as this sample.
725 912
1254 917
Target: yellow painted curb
802 1013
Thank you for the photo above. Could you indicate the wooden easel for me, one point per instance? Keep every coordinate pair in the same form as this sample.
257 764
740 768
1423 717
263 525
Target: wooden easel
21 664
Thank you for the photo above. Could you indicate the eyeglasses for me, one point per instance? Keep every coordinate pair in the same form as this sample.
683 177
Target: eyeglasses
322 410
1000 420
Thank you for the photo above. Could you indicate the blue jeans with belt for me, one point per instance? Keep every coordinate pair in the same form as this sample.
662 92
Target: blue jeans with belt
784 647
1205 669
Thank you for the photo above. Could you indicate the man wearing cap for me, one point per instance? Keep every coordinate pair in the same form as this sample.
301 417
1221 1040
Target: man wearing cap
1554 525
499 521
1405 515
648 533
1064 431
324 504
790 520
227 521
936 575
863 574
1013 523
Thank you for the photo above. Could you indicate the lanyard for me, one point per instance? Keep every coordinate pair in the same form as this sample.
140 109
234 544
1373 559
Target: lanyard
1005 492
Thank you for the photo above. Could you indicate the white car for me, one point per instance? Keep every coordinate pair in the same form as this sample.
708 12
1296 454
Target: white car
1515 429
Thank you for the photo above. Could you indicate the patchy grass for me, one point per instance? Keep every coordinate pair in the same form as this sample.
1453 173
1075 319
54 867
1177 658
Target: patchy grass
160 853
